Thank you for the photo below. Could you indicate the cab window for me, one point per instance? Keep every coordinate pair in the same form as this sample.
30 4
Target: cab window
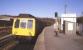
23 24
17 23
30 24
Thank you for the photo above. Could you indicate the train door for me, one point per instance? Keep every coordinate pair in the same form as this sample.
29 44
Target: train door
30 27
22 27
15 27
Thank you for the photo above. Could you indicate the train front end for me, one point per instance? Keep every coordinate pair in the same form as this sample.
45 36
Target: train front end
23 27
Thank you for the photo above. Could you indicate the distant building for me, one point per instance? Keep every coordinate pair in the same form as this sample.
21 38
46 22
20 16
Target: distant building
5 20
5 17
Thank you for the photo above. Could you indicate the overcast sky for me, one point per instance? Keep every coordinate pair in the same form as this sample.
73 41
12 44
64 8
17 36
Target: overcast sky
40 8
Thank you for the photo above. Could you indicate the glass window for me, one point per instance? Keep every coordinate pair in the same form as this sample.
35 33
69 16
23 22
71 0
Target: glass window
30 24
17 24
23 24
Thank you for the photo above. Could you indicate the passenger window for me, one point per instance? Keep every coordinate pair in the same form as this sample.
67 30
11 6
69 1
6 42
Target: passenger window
30 24
23 24
17 24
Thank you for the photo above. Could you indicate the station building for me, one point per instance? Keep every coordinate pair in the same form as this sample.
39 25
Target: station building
68 23
80 25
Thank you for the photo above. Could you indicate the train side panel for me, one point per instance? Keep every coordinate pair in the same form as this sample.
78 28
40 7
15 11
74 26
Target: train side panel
39 26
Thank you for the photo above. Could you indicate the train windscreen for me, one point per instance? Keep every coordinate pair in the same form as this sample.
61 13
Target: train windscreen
30 24
23 23
17 23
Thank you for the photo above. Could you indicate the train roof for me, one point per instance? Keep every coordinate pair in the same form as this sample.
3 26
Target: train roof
26 16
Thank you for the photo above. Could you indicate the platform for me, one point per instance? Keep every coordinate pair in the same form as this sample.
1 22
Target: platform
48 41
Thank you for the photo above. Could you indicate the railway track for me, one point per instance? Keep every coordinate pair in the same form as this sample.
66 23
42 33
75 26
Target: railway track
5 39
5 31
23 46
9 43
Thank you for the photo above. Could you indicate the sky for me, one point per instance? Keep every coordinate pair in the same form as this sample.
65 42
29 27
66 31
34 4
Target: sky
40 8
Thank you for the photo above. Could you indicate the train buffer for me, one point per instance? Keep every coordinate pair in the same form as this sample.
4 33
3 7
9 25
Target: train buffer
48 41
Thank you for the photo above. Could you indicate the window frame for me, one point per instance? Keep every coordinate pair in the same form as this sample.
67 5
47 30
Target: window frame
23 21
17 22
30 24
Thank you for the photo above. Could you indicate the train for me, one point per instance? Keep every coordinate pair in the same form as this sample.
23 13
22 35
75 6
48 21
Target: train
28 27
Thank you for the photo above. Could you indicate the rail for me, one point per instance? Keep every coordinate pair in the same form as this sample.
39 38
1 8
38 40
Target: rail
5 29
5 39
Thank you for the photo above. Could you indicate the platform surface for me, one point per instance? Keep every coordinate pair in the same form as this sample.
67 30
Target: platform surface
48 41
